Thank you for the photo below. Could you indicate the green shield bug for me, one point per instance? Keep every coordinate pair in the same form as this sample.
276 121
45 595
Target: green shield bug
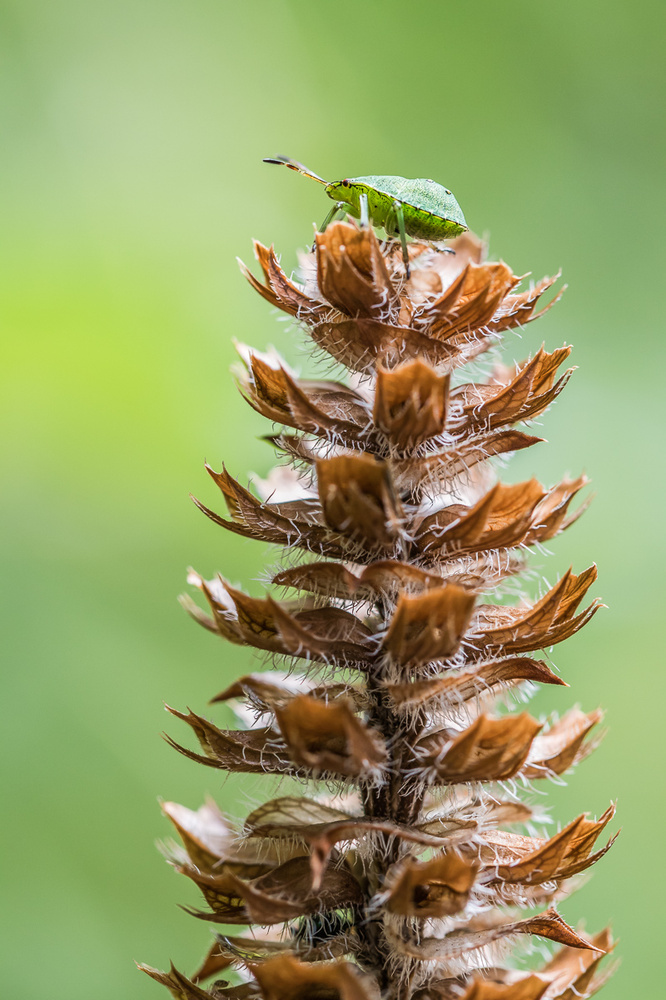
401 207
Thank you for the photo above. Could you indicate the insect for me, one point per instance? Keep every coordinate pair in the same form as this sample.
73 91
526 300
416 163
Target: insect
401 207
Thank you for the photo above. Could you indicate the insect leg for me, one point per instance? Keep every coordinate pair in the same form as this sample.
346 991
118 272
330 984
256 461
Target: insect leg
397 205
363 200
337 209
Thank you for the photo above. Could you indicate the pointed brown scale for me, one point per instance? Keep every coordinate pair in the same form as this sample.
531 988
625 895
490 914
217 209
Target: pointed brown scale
581 861
500 519
384 577
290 887
562 629
318 737
551 514
358 500
587 983
514 502
577 588
495 276
265 624
469 303
411 403
351 271
436 888
321 407
562 745
578 857
253 751
528 393
544 864
206 835
505 847
263 690
256 620
538 402
285 978
485 287
242 504
216 960
433 272
291 814
473 683
589 831
547 622
465 940
326 633
503 622
330 737
477 812
488 750
528 988
330 634
288 525
217 882
477 402
428 626
326 578
278 290
264 290
309 417
322 843
363 344
224 621
284 893
516 310
236 616
269 387
338 401
266 690
325 409
547 367
260 947
568 969
550 925
468 523
305 449
417 473
243 991
505 517
179 986
499 985
250 517
433 313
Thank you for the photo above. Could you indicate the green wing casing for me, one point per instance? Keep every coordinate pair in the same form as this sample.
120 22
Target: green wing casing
430 210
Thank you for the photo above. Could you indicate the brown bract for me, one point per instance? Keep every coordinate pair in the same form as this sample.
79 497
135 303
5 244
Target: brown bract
435 888
404 649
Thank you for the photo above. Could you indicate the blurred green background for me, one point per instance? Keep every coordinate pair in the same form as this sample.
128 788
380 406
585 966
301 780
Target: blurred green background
131 177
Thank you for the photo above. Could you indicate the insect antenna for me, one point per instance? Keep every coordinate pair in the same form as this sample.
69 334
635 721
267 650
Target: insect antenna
286 161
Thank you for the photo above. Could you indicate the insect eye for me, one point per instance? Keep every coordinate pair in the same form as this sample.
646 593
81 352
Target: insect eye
345 183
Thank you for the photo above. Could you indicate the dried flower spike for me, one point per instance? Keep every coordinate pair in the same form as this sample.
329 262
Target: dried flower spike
401 871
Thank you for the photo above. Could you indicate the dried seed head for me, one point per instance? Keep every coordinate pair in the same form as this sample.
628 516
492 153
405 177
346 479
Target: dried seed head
407 878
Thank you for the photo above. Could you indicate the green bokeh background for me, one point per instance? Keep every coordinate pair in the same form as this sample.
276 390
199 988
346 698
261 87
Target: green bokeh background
131 177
